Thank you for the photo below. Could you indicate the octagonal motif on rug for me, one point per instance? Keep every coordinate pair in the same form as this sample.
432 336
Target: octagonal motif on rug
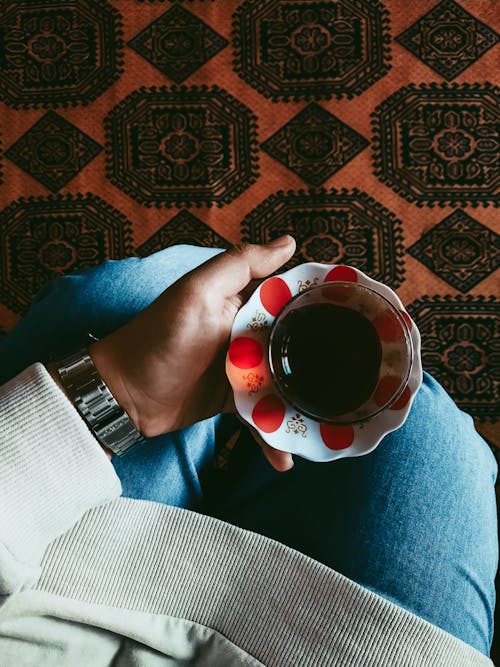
332 227
461 348
311 50
440 144
58 53
181 146
46 237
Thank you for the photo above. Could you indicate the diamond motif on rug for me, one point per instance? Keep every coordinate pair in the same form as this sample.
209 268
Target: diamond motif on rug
459 250
178 43
53 151
315 144
182 228
448 39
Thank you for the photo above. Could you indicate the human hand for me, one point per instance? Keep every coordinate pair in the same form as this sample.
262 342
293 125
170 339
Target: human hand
166 366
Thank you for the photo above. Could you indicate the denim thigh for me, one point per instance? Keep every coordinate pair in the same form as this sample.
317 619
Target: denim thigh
415 520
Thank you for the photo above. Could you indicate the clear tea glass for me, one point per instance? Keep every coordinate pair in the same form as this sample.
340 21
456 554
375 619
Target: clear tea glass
340 353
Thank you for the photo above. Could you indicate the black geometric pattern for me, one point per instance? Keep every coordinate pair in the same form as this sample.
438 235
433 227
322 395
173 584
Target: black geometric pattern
187 149
58 53
179 145
182 228
461 348
440 143
332 226
315 144
53 151
459 250
45 237
178 43
311 50
448 39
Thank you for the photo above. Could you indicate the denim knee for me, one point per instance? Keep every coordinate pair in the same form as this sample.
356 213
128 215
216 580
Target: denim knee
442 425
109 294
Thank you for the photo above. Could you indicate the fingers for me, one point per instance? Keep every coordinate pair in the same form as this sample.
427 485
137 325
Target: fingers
229 404
280 461
230 272
247 291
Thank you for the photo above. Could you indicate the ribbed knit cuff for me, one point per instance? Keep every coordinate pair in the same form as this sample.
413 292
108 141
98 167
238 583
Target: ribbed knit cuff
52 470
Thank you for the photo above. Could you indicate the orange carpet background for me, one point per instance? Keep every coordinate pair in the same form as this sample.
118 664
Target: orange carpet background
397 101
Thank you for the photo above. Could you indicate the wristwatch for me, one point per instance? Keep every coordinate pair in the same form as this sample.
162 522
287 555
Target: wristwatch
110 424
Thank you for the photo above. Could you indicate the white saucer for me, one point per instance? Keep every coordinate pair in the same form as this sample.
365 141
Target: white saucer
258 400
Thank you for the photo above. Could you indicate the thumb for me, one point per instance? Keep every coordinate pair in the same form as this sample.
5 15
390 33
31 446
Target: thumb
228 273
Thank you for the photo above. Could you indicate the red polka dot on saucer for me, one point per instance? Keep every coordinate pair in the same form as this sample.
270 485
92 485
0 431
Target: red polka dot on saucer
258 398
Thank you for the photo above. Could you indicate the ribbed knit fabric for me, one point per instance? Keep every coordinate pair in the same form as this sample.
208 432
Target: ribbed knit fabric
51 471
276 604
129 562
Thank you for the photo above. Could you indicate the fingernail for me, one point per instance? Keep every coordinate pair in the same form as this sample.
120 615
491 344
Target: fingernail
280 241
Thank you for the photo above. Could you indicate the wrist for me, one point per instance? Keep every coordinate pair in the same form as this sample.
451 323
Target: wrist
107 363
124 377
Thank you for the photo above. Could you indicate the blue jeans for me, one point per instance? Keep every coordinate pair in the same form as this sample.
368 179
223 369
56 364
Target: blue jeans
414 521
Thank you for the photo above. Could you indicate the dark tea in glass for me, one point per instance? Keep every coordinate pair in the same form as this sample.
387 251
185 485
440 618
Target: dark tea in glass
333 348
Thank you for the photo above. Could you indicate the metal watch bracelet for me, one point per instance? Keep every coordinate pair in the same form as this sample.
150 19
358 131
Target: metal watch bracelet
87 390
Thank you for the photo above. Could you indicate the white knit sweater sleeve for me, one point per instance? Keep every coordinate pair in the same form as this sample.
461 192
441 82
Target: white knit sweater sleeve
52 471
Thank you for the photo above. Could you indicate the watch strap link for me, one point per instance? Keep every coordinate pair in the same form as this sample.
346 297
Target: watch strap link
107 420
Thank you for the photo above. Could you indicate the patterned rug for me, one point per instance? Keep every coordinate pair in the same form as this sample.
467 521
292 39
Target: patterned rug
368 130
